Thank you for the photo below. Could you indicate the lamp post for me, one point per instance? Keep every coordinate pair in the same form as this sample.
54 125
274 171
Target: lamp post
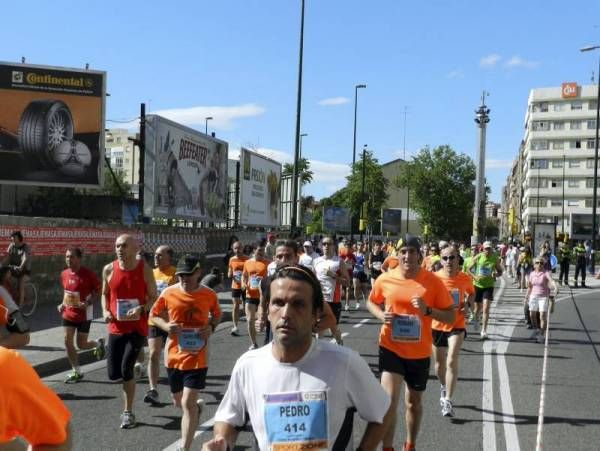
356 88
595 194
206 119
362 191
294 218
404 158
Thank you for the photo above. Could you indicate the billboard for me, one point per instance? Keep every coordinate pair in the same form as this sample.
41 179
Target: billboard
336 219
543 232
51 125
391 220
260 190
185 172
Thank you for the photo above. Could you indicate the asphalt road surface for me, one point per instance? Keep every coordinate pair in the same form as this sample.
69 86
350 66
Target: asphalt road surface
496 402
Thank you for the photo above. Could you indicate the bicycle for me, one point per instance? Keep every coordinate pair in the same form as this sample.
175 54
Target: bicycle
30 299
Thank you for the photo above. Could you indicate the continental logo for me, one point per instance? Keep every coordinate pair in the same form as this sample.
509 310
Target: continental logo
73 82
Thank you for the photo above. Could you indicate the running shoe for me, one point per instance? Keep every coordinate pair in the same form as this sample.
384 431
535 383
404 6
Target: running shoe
483 335
407 447
234 331
357 306
252 347
100 349
346 307
73 377
442 395
151 397
139 370
447 408
127 420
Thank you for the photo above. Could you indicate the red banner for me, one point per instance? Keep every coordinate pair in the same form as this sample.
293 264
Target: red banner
55 240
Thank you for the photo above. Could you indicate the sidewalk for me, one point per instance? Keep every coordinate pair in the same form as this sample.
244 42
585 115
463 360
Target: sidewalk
46 350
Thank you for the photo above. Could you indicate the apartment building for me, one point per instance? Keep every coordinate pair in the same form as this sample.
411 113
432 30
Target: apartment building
551 180
123 155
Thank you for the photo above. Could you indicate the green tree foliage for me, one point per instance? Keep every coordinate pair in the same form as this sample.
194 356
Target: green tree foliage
306 175
441 190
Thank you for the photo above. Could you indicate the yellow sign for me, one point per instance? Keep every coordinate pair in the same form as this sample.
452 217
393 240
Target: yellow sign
362 225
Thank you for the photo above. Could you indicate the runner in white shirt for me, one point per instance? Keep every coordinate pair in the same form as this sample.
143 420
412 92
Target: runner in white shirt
308 257
297 390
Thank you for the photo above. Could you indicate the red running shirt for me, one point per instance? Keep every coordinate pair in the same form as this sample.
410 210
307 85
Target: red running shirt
80 284
127 285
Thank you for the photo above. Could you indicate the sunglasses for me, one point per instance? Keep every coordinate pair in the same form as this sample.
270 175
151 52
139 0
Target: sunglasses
448 257
327 243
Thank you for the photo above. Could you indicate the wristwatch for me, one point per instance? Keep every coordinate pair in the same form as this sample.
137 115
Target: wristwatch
428 311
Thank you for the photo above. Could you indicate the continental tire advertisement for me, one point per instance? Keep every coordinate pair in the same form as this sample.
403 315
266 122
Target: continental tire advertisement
51 125
260 190
185 173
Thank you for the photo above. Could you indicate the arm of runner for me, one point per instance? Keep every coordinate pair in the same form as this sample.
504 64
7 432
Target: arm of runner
150 288
344 276
445 315
224 438
229 271
499 268
106 273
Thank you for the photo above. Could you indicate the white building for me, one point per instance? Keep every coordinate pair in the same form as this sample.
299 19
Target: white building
123 155
558 158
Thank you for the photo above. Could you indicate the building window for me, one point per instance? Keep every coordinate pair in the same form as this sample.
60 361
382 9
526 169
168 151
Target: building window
539 144
573 202
533 202
119 163
590 202
539 164
539 126
534 182
575 125
558 145
591 124
576 105
559 107
556 202
556 183
589 183
591 144
589 163
559 125
541 107
557 163
573 183
574 163
592 105
575 144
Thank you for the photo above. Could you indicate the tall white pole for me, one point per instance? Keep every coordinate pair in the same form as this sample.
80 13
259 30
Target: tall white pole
481 119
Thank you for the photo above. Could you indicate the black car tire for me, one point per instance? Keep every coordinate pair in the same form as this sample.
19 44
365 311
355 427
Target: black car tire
44 124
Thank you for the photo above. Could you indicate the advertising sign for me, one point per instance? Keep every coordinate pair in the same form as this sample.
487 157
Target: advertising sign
336 219
51 125
568 90
260 190
185 172
543 232
391 220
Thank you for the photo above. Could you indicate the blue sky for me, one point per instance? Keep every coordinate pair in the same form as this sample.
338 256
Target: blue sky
236 60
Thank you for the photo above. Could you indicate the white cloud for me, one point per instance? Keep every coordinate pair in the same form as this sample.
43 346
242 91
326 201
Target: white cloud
490 60
223 117
498 164
455 74
333 101
517 61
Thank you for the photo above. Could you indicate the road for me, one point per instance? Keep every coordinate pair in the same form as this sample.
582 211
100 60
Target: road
496 403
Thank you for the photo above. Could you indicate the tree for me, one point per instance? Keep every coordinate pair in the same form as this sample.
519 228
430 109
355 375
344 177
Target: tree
441 191
306 175
375 192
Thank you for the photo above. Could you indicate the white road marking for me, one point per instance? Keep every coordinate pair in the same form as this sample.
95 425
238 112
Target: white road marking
362 321
487 400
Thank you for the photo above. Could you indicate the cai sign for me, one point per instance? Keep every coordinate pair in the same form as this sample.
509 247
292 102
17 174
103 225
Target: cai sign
568 90
185 173
260 190
51 125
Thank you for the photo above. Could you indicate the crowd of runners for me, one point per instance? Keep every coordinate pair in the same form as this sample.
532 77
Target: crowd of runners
426 297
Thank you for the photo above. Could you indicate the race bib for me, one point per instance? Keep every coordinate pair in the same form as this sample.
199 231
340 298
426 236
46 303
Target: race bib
455 295
189 340
71 298
377 266
123 306
296 420
485 271
255 281
406 328
237 276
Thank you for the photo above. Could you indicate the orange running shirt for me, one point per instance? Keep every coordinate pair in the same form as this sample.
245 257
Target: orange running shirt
28 408
236 265
390 262
255 271
163 280
191 311
409 335
460 287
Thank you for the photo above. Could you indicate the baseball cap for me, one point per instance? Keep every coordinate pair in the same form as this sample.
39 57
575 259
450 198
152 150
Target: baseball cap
307 243
487 245
187 265
411 241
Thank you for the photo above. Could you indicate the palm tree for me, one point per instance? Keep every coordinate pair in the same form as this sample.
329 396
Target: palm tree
306 175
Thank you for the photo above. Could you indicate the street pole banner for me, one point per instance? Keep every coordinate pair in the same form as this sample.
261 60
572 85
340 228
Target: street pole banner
51 125
185 172
260 190
391 220
336 219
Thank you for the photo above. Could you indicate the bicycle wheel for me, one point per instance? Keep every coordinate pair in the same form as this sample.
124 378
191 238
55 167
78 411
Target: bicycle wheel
30 301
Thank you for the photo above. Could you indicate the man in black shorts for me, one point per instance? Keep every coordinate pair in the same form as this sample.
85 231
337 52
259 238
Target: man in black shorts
81 288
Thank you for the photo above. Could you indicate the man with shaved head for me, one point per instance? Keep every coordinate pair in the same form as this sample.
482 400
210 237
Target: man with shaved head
128 291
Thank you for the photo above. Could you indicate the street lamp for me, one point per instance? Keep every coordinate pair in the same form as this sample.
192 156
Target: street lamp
595 194
206 119
294 218
362 192
300 152
356 88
